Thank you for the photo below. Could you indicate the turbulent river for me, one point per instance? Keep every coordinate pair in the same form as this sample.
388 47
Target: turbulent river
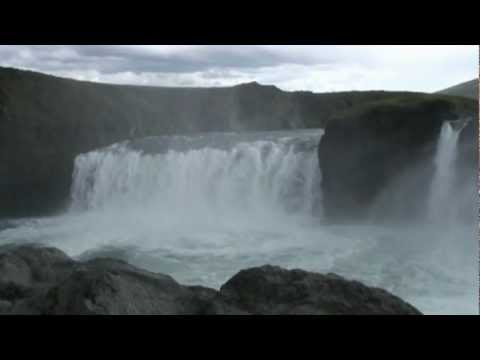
202 207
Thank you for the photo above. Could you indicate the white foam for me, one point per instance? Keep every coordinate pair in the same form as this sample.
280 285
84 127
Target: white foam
203 214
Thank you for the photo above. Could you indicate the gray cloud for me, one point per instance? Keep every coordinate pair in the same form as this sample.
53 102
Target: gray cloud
114 59
316 68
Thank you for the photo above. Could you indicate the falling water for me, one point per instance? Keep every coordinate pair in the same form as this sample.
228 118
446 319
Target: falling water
442 190
201 208
260 177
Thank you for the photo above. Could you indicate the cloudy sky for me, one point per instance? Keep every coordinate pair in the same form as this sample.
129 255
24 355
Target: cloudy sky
316 68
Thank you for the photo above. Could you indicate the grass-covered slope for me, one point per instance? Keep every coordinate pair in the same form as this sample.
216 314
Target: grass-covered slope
467 89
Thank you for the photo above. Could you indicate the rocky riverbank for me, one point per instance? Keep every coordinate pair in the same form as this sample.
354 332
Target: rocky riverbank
44 280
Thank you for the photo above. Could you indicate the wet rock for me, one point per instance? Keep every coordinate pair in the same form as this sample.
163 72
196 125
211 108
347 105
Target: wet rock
366 149
104 286
5 306
113 287
273 290
210 302
32 265
48 282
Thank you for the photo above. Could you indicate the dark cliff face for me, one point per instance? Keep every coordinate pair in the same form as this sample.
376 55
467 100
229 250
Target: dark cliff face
469 143
364 150
46 121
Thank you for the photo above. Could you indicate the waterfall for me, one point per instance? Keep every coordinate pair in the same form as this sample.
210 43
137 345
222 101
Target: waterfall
200 208
246 178
442 193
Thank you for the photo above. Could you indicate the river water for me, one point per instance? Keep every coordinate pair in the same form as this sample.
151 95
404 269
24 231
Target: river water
200 208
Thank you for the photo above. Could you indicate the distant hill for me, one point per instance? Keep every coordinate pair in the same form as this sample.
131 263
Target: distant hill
467 89
46 121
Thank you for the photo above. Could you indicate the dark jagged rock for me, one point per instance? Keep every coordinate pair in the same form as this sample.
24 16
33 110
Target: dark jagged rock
468 150
467 164
33 265
105 286
273 290
51 283
27 272
46 121
364 150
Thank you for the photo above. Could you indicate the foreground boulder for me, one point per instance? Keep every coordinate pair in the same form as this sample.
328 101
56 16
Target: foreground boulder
273 290
42 280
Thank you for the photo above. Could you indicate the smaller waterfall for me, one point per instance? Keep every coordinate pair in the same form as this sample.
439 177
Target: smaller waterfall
440 207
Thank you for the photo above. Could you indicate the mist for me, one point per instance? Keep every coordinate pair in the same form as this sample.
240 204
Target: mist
429 212
202 207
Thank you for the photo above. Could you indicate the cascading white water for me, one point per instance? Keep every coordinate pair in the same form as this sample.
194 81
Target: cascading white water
442 188
258 178
202 208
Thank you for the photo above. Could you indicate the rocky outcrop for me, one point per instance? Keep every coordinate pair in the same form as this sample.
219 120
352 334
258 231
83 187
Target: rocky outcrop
273 290
42 280
26 272
364 150
468 149
46 121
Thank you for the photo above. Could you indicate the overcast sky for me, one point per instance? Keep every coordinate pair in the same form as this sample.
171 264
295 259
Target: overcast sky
316 68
